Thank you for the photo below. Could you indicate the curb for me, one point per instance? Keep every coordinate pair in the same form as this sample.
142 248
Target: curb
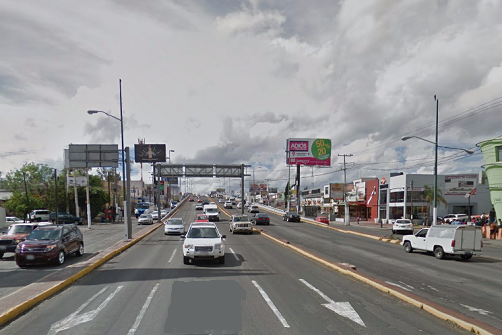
95 262
439 311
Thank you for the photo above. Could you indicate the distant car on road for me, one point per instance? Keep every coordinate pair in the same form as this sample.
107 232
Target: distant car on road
64 217
201 218
38 215
15 234
253 209
403 226
228 204
322 219
260 218
13 219
145 219
291 217
240 224
203 241
174 226
47 244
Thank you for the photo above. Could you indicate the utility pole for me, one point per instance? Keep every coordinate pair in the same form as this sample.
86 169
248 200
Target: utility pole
411 200
347 214
56 194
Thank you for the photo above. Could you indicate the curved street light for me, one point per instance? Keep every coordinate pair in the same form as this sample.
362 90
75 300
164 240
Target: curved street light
436 146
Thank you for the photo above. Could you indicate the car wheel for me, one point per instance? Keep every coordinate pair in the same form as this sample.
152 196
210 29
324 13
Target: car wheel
221 260
439 253
1 254
466 257
393 231
21 265
39 219
233 232
80 250
61 257
407 247
268 223
186 260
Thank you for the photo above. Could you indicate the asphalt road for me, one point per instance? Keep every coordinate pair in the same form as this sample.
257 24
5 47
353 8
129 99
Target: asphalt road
98 238
263 288
469 287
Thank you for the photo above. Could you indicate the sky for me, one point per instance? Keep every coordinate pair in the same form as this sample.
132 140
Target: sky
227 82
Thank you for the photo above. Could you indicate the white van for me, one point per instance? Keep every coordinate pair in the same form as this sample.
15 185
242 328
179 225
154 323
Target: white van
212 212
446 240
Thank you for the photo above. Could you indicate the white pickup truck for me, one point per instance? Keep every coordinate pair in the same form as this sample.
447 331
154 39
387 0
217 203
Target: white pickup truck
442 240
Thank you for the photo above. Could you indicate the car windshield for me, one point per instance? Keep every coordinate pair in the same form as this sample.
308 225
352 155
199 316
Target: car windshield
20 229
175 221
45 234
211 210
202 233
144 216
261 216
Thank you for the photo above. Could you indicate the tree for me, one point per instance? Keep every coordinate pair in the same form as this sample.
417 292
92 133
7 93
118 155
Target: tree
31 188
429 198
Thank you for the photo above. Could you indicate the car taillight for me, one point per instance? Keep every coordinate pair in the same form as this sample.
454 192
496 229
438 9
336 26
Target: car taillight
452 243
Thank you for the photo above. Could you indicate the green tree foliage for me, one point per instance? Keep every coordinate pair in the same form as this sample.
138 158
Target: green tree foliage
429 198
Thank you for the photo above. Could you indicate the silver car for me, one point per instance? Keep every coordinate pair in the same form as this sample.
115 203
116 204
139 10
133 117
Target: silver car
174 226
145 219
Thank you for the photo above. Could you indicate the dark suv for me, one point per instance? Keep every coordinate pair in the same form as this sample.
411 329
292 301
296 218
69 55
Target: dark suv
48 244
64 217
291 216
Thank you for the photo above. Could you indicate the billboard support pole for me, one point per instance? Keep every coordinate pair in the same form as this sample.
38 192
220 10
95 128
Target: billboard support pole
88 199
298 206
77 210
128 195
289 178
242 189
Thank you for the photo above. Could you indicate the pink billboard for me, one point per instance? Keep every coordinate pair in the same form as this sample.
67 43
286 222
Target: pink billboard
308 151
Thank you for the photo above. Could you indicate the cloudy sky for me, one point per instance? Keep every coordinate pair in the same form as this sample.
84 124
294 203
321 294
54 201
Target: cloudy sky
226 81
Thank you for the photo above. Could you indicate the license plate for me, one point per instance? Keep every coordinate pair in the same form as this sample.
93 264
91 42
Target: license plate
30 257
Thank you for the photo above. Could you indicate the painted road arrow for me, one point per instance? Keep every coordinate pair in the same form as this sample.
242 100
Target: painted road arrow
341 308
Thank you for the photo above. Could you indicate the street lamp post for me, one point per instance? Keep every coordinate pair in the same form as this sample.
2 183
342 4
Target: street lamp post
436 146
168 184
90 112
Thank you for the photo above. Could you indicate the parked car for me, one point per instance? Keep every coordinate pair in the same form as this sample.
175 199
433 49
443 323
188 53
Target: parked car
240 224
13 219
145 219
260 218
228 204
38 215
442 240
174 226
203 241
291 217
403 226
47 244
15 234
64 217
322 219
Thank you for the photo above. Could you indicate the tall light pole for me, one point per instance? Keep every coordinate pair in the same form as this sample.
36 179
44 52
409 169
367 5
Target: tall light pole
436 146
90 112
347 209
168 184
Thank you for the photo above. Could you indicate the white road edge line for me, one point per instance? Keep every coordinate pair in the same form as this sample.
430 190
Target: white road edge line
172 256
235 255
397 285
344 309
271 304
143 310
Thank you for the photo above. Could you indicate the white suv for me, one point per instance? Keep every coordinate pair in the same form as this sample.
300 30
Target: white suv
203 241
38 215
240 224
403 226
228 204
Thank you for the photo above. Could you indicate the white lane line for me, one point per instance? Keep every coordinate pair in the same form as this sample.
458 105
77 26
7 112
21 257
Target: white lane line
172 256
74 319
235 255
411 287
397 285
344 309
474 309
271 304
143 310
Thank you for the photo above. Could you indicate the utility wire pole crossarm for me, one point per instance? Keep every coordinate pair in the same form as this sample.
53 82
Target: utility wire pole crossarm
347 214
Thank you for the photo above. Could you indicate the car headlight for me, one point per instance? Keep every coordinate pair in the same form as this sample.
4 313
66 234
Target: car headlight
50 247
217 246
18 241
18 247
188 246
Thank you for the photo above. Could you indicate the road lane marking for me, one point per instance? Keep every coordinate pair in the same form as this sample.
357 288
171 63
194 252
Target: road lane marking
411 287
170 259
235 255
474 309
74 319
397 285
344 309
143 310
271 304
